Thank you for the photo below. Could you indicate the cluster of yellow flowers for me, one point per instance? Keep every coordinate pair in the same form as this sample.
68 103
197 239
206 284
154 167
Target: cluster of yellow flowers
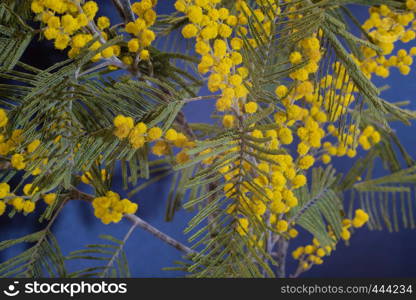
285 177
219 40
143 36
70 24
386 27
137 134
19 158
218 36
19 161
320 108
216 32
110 208
21 203
63 19
310 255
304 131
171 139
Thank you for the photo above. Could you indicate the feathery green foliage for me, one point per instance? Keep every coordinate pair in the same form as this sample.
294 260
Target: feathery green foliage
71 107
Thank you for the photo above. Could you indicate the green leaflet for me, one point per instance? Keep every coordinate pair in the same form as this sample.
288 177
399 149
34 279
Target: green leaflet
15 36
111 254
42 259
319 206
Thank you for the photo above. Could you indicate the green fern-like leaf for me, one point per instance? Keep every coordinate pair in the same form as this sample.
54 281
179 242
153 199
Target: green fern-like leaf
111 254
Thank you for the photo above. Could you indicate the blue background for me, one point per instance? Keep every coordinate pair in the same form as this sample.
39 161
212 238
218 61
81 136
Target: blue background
371 253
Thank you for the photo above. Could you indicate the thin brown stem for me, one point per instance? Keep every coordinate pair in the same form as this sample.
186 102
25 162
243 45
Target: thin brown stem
117 253
47 229
282 247
159 234
187 100
137 221
93 28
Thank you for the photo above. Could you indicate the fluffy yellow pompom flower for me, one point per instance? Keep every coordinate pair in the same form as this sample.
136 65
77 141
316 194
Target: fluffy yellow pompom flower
49 198
62 41
18 203
140 128
28 206
132 28
203 48
181 141
236 43
90 9
326 159
54 22
154 133
144 54
242 226
182 157
228 121
123 126
303 148
361 217
306 162
232 21
195 14
220 48
295 57
82 20
298 181
110 208
69 24
136 141
107 52
180 5
128 60
189 31
281 91
51 33
250 107
235 79
37 7
129 207
171 135
404 69
103 22
161 148
282 226
285 136
293 233
133 45
411 4
345 234
224 30
80 40
33 146
298 252
18 161
4 189
136 136
148 36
